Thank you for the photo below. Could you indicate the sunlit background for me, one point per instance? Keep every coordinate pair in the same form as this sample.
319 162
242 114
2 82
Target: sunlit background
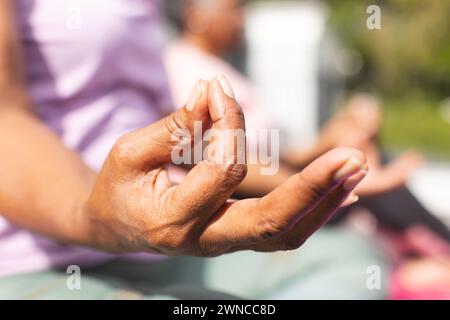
305 58
406 63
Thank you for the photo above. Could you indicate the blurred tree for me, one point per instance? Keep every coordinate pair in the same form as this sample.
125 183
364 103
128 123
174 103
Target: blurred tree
407 62
412 50
410 53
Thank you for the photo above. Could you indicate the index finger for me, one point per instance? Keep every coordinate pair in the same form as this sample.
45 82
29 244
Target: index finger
212 181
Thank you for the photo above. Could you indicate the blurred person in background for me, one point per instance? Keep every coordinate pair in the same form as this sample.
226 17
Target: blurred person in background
82 92
208 31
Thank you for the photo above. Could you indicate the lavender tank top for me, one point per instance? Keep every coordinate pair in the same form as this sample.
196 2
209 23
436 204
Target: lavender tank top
94 72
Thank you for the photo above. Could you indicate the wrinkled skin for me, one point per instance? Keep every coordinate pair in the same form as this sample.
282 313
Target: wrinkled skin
134 207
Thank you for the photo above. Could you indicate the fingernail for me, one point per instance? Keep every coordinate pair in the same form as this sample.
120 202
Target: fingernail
226 87
351 166
194 96
351 199
351 182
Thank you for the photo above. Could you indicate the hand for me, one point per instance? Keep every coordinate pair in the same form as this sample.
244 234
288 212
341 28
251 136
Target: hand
341 132
134 206
389 177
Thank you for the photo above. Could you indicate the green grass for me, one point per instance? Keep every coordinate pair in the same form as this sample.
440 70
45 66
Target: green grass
415 123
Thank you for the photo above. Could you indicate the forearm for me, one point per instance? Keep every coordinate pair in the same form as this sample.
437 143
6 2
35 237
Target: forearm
44 185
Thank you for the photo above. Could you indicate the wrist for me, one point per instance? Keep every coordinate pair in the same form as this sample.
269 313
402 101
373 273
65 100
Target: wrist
83 227
96 230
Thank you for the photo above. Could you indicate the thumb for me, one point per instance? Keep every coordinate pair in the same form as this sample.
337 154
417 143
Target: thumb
151 147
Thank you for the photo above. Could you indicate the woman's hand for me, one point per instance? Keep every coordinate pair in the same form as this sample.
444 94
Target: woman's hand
134 207
131 204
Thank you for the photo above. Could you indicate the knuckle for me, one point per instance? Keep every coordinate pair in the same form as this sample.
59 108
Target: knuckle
175 122
123 148
313 190
270 228
235 112
234 172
